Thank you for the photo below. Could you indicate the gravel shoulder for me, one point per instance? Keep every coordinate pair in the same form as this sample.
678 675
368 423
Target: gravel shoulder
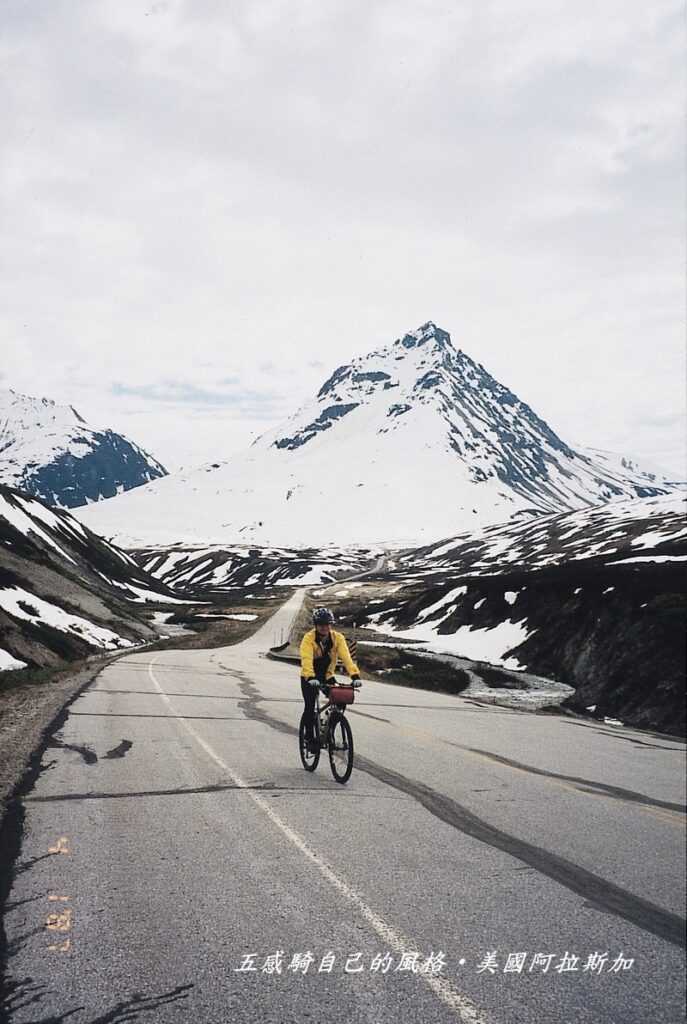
27 713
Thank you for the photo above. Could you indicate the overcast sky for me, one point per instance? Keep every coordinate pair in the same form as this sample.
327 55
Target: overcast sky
207 206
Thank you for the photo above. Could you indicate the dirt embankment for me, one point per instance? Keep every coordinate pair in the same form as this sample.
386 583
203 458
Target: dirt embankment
28 705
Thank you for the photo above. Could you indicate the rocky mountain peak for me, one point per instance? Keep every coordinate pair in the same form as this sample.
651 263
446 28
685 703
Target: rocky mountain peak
426 335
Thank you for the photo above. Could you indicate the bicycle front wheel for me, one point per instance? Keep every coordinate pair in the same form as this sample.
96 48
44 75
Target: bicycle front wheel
341 749
310 753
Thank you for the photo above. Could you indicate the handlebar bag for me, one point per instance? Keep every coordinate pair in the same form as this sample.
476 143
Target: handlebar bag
342 694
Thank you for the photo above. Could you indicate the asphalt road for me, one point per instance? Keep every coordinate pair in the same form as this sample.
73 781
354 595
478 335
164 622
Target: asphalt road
172 837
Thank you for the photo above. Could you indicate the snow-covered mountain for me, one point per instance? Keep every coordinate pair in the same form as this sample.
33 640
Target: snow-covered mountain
49 451
410 443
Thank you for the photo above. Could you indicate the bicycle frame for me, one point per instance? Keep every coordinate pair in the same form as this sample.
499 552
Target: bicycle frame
336 709
335 734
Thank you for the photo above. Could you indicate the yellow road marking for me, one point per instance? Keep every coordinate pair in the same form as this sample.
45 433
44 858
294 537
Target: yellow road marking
59 922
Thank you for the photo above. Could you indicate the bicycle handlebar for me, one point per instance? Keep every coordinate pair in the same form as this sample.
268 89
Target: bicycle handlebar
328 684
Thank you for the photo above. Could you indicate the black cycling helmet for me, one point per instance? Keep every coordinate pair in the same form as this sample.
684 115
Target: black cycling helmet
322 617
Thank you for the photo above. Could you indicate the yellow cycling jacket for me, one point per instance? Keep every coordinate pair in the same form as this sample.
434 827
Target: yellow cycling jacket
310 649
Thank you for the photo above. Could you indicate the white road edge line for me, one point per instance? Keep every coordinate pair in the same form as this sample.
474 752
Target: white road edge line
463 1007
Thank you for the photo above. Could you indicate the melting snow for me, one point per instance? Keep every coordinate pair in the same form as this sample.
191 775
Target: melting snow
447 599
241 616
651 558
25 523
488 645
8 663
52 615
151 595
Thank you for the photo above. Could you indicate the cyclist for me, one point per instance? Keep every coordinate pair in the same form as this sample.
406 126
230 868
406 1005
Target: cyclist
321 648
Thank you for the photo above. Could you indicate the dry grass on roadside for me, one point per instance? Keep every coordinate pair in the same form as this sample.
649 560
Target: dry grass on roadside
208 632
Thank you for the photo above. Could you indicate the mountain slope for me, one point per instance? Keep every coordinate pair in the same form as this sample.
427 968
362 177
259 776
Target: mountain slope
49 451
409 443
65 593
593 598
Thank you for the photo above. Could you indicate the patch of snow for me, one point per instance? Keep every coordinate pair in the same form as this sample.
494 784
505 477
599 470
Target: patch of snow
643 559
241 616
9 663
23 521
151 595
650 539
447 599
52 615
511 596
488 644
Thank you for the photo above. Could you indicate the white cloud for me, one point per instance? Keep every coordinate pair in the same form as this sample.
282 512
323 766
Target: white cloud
196 190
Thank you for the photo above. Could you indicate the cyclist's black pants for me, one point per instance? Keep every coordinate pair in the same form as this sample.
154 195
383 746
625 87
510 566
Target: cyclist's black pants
320 665
309 693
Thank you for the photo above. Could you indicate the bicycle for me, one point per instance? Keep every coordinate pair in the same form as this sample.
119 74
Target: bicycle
332 730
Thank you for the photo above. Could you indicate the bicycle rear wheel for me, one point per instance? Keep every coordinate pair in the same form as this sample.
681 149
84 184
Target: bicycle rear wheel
309 756
341 749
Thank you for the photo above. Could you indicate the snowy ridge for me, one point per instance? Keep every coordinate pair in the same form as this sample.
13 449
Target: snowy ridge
49 451
214 569
653 476
647 529
412 442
